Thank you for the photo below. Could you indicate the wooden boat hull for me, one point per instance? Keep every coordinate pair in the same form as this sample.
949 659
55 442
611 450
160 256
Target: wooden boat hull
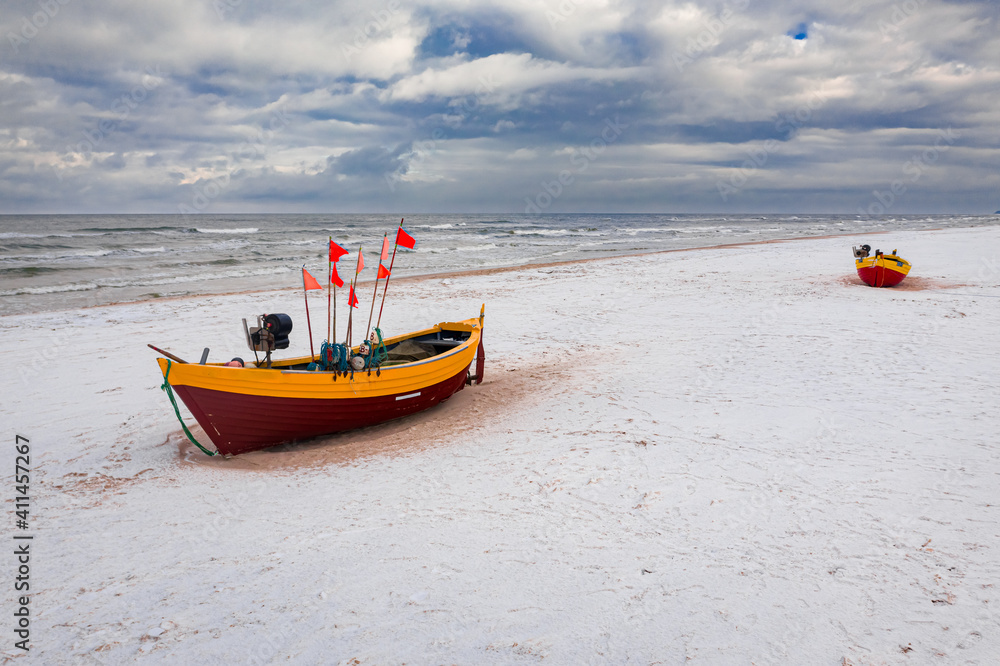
238 423
245 409
882 270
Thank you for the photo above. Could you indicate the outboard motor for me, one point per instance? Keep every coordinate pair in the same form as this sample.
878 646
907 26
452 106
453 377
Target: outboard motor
863 251
270 333
280 325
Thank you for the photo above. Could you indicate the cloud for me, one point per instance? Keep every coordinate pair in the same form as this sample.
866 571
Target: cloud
440 104
371 161
497 79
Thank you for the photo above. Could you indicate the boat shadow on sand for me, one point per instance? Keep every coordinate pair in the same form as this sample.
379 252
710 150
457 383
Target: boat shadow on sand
454 420
912 283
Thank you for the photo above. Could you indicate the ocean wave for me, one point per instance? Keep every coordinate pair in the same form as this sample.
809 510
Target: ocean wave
181 279
131 230
80 254
53 289
540 232
217 262
85 254
697 230
20 234
29 271
25 245
148 281
447 250
647 230
238 230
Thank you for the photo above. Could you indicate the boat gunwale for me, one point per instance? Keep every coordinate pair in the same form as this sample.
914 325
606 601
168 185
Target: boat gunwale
868 262
413 374
409 364
280 366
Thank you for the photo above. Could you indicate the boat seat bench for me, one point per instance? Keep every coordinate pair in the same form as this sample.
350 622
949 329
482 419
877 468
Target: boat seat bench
442 343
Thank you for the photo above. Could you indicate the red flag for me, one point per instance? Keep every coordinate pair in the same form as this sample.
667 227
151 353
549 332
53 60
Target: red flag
336 252
308 281
405 239
385 249
361 262
353 300
334 278
383 272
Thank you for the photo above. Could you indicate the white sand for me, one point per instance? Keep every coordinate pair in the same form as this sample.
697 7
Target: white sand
728 456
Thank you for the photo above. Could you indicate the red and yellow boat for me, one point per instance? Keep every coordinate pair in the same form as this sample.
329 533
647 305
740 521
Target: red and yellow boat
880 270
265 403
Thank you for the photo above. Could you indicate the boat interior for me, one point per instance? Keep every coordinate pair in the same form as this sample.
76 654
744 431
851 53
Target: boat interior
419 347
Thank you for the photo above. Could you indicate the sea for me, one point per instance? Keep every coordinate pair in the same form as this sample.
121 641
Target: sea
56 262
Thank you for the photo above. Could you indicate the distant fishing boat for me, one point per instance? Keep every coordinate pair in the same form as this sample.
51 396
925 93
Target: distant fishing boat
253 406
880 270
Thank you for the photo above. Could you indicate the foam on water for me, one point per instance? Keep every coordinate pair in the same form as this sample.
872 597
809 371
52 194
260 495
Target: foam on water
242 230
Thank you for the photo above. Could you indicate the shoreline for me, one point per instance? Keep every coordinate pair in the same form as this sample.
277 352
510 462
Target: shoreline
474 272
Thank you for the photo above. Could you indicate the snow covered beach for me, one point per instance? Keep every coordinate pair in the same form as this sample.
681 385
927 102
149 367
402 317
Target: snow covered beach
738 455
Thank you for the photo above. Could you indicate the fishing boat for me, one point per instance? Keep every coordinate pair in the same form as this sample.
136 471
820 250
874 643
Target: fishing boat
249 406
880 270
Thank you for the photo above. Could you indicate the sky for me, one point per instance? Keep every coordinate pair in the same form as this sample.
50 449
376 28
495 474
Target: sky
512 106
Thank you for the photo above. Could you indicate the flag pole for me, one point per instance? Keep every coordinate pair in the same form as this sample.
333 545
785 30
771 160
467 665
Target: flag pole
332 265
329 290
305 295
375 293
391 262
350 318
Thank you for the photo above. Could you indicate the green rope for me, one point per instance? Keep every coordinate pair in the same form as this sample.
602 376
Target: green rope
170 394
378 353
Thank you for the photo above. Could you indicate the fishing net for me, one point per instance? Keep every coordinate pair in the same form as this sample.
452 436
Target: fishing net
408 351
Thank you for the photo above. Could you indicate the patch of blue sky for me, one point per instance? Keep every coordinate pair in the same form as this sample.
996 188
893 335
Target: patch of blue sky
479 37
